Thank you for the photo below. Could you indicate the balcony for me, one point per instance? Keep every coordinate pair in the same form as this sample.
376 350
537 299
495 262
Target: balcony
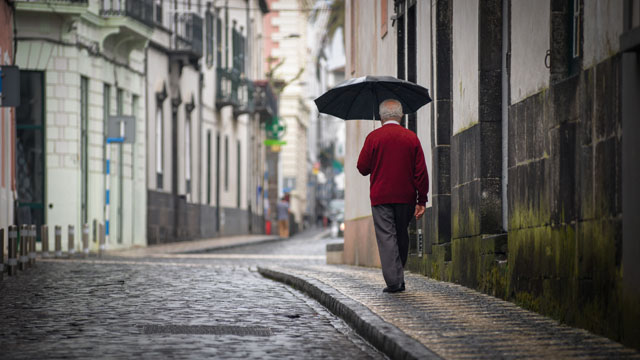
140 10
245 105
59 7
235 90
265 100
187 39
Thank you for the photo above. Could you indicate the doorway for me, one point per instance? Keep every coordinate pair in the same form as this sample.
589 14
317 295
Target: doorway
30 145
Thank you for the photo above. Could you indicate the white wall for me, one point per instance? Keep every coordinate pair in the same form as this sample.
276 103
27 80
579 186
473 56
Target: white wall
602 29
530 24
465 64
63 66
7 154
371 57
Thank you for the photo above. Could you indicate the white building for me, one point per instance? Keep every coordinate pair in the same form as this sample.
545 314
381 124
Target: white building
287 44
205 162
78 68
530 144
7 124
326 133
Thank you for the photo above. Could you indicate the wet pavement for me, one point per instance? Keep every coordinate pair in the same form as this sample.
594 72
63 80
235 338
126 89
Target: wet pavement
193 306
219 304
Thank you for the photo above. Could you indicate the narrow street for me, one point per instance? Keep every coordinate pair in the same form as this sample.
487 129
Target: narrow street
190 306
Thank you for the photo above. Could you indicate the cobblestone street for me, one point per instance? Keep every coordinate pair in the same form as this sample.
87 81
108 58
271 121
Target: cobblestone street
182 307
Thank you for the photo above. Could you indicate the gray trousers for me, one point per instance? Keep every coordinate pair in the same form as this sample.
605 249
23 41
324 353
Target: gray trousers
391 222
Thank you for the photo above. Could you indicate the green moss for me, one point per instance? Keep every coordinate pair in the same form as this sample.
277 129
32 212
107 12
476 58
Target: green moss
464 224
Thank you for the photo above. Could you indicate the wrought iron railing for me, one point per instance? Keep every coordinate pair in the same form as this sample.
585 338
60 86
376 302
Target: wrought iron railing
141 10
265 100
188 36
235 90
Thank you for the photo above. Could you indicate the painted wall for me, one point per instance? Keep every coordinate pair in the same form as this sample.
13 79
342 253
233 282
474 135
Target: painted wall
7 124
465 64
287 41
602 29
374 54
63 65
530 24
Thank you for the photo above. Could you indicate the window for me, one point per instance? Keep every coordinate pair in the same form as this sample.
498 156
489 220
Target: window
209 38
187 153
120 102
226 163
159 145
218 43
575 50
289 184
238 50
575 40
158 11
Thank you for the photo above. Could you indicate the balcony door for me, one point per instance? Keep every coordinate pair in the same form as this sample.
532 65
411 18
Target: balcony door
30 149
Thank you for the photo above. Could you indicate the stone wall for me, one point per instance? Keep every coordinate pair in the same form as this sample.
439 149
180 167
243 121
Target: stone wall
171 218
562 252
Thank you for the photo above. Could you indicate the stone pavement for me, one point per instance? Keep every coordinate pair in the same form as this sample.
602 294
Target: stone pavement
443 320
157 307
184 247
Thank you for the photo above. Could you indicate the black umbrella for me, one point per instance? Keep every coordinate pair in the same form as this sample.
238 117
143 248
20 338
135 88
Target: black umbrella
359 98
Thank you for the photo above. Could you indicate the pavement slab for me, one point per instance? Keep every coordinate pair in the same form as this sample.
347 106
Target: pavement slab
112 308
194 246
448 320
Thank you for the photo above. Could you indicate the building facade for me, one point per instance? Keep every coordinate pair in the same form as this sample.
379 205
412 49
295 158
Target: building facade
80 69
144 116
286 61
206 157
531 196
7 123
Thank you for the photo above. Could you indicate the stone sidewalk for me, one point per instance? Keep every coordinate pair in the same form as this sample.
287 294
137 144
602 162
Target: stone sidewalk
442 320
193 246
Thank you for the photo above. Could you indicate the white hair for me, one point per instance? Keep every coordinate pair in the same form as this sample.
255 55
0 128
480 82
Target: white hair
390 109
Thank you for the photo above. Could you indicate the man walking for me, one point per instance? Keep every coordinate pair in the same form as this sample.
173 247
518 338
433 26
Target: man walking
399 183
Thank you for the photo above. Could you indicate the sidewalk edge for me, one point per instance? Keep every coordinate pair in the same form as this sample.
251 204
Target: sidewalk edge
229 246
384 336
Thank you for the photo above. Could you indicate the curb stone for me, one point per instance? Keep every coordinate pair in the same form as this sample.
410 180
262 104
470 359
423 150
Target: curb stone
385 337
229 246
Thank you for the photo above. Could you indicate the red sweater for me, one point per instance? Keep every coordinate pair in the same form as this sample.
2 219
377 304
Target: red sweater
394 158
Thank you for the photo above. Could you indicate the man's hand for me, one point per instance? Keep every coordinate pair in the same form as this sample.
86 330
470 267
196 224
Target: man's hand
419 211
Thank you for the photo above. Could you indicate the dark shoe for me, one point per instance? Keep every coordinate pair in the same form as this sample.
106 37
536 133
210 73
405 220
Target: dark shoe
394 288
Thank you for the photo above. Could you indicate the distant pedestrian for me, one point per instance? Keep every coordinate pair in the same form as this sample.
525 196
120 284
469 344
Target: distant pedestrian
399 183
283 217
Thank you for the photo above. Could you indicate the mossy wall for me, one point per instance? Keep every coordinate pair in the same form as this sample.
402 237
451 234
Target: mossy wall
561 254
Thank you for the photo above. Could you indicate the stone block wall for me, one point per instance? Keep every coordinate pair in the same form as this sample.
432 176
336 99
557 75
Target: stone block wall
565 215
561 254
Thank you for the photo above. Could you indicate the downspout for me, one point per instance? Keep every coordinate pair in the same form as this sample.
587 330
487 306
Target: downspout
247 71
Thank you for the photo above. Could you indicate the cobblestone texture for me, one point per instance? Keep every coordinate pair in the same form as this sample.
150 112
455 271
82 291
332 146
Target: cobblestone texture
99 309
460 323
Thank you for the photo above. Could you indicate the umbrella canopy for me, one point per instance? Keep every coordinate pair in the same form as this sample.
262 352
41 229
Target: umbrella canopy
359 98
